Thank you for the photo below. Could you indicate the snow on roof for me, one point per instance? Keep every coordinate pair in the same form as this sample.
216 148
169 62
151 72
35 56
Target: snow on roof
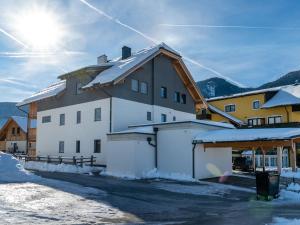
200 122
121 66
22 122
136 130
288 95
230 135
226 115
245 93
50 91
2 122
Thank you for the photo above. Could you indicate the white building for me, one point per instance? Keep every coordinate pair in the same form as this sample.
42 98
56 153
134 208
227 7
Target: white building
75 115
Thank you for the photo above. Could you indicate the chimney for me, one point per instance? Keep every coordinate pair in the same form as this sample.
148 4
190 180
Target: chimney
102 59
126 52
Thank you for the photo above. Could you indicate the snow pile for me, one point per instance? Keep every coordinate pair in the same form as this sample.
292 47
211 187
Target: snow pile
65 168
293 187
12 171
284 221
123 175
171 176
291 193
287 172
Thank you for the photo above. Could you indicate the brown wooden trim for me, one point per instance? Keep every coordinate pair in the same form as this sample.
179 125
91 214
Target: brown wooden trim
249 144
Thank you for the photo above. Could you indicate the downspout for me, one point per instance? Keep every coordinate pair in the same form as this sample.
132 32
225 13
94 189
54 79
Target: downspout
193 162
27 129
287 114
110 109
155 129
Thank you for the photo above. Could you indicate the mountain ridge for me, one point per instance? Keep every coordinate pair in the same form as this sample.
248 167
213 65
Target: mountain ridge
214 87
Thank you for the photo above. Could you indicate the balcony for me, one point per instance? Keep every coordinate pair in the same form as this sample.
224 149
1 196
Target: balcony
203 117
274 125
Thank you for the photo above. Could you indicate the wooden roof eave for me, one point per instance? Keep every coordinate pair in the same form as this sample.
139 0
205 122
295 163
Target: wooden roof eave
248 144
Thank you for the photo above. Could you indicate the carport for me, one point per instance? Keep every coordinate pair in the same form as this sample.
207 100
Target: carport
265 139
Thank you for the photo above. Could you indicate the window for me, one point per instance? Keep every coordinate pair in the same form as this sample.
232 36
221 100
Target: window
134 85
144 88
97 146
274 119
295 108
256 104
176 96
163 92
61 147
13 131
46 119
256 121
18 130
61 119
78 117
183 99
174 118
230 108
149 116
98 114
163 118
77 146
78 88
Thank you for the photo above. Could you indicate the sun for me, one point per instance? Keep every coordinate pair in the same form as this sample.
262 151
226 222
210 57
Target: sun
40 29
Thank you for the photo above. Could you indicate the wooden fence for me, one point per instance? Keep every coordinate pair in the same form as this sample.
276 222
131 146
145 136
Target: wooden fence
79 161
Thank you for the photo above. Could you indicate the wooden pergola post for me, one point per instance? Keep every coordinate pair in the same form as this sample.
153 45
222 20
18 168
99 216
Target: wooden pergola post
253 159
292 155
264 159
279 159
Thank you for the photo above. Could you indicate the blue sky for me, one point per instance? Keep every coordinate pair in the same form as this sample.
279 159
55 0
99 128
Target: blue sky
250 42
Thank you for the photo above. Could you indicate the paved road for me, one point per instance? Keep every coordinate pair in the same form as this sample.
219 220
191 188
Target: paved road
145 203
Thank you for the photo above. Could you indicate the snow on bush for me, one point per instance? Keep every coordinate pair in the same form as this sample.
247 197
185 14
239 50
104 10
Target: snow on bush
12 171
284 221
287 172
291 193
65 168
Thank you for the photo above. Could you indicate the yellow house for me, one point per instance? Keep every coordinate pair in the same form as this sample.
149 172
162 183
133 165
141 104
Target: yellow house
277 107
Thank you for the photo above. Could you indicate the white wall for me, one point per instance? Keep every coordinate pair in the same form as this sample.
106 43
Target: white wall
49 134
130 156
175 148
127 113
213 162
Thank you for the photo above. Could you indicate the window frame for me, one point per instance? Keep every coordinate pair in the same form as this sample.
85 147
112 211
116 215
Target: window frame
253 104
95 114
45 119
177 97
132 85
261 119
95 145
275 117
163 92
183 99
146 86
149 116
78 146
62 119
61 147
230 107
78 117
163 117
13 131
79 85
18 130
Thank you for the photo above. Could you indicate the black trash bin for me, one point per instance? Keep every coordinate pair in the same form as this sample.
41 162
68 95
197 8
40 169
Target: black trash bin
267 185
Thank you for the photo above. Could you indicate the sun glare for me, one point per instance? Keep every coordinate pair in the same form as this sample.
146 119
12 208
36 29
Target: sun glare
39 29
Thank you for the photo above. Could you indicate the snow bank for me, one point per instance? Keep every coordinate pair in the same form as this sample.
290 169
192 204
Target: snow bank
12 171
284 221
293 187
65 168
287 172
172 176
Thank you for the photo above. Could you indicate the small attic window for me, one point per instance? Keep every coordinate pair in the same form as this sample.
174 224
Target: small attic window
79 88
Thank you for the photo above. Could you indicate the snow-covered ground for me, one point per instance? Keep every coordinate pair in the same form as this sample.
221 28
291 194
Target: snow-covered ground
43 166
287 172
29 199
284 221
